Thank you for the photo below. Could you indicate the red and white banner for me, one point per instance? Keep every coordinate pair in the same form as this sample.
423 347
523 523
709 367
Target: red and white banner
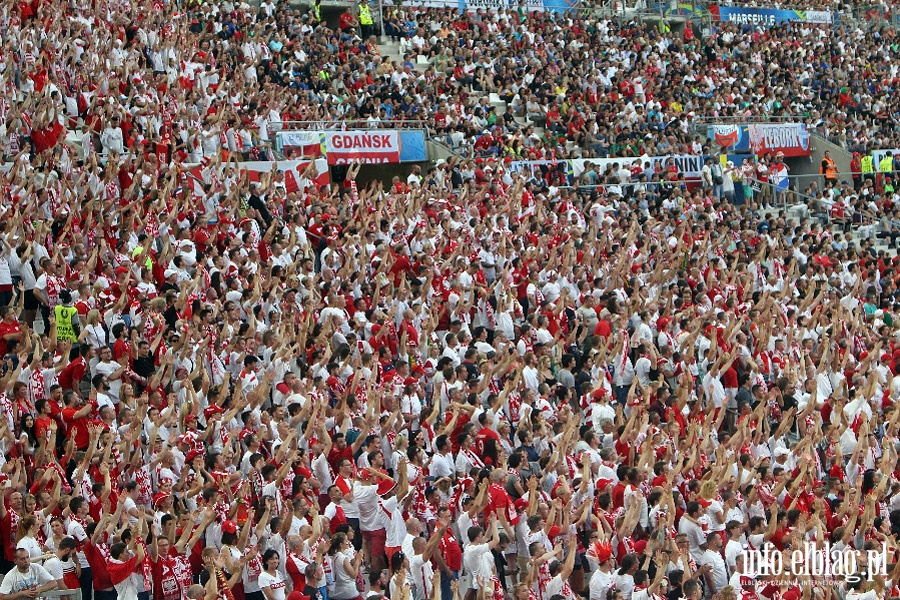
292 169
199 175
368 147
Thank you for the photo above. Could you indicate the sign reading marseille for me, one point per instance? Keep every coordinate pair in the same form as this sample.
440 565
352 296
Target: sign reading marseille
791 139
746 15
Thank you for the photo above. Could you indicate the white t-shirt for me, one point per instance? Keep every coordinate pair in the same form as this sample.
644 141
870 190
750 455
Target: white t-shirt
16 581
422 574
75 530
478 560
274 583
58 568
371 518
442 466
732 550
695 536
600 584
125 589
625 585
115 385
32 545
719 570
554 586
396 527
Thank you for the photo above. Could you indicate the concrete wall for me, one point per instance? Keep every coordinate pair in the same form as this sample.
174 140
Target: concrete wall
804 170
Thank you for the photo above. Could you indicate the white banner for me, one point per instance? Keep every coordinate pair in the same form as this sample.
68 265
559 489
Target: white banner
530 5
688 165
819 16
877 155
427 3
301 138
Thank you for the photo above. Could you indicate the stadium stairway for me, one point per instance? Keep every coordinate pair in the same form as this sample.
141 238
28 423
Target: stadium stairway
390 50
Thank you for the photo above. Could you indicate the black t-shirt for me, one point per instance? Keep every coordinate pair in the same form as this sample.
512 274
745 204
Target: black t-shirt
313 593
500 563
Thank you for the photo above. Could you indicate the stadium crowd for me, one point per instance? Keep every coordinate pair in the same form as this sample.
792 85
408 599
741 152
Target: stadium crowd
471 384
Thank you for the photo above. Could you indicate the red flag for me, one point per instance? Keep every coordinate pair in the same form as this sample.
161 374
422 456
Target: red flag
290 181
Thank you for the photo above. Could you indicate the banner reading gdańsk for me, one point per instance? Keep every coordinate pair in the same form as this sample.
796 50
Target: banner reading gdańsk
368 147
746 15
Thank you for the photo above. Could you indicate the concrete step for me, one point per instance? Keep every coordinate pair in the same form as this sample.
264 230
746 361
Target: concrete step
391 51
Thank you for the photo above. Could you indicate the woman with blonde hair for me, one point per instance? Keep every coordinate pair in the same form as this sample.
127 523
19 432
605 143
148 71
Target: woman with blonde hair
715 512
727 593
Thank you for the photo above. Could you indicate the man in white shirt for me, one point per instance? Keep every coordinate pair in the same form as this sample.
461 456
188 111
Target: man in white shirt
477 557
559 571
442 464
717 576
112 372
420 562
62 567
79 508
121 566
735 547
25 578
690 527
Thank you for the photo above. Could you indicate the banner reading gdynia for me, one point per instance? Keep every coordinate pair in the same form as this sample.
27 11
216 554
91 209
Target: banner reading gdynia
370 147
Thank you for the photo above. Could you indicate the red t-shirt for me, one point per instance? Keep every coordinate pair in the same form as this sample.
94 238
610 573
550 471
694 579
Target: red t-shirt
500 500
451 552
337 520
345 21
295 568
169 575
121 347
78 427
42 426
336 456
7 328
97 560
72 374
483 435
120 571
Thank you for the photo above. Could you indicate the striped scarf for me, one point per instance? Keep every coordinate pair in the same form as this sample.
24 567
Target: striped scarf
489 314
146 567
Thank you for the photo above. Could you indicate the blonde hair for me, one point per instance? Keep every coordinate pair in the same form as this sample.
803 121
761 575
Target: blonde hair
93 316
708 489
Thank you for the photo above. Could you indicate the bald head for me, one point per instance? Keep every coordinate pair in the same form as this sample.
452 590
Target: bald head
294 542
196 592
419 545
413 526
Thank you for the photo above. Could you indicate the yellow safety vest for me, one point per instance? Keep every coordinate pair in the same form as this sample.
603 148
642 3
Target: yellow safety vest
365 15
64 328
866 164
317 12
887 164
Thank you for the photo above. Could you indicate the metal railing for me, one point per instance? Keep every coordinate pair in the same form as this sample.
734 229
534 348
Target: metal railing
71 594
731 120
276 126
